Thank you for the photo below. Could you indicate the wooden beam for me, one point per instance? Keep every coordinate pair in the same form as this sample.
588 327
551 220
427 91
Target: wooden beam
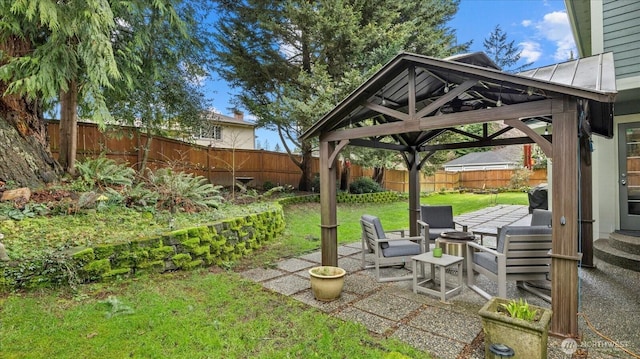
545 145
414 192
446 98
385 129
507 112
376 144
475 144
328 213
411 84
564 261
387 111
523 110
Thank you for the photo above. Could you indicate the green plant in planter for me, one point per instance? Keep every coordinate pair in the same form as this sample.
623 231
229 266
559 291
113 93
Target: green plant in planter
525 331
520 309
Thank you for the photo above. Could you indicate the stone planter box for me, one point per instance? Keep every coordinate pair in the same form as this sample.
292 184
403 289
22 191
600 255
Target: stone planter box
527 339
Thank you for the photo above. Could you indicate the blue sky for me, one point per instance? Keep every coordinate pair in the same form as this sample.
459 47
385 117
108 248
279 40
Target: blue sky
539 27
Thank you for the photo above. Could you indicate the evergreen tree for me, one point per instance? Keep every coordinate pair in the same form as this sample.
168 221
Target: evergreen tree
504 53
68 54
294 60
174 52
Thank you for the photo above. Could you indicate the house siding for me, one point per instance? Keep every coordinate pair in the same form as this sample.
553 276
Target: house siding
621 22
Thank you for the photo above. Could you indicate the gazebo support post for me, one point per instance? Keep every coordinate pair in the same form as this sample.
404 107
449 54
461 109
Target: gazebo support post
414 192
328 214
564 268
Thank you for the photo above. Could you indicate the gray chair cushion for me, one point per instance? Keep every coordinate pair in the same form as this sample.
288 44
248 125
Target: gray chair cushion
376 223
437 216
401 248
487 261
541 217
516 230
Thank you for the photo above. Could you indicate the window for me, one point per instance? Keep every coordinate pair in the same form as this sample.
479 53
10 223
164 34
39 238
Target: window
216 132
212 132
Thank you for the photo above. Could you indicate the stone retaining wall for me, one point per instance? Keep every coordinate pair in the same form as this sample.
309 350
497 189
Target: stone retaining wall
183 249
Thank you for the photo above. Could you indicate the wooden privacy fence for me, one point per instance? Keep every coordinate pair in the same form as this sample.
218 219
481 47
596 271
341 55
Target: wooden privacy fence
220 165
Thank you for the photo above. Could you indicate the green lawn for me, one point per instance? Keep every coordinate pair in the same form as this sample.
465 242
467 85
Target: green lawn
302 233
207 313
198 314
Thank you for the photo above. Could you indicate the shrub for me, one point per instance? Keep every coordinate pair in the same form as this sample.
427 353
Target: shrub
104 172
183 190
520 178
267 185
365 185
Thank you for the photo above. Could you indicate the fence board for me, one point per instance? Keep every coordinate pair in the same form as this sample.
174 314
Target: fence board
217 164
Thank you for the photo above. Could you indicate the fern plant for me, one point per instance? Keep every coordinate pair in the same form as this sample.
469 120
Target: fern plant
180 190
103 172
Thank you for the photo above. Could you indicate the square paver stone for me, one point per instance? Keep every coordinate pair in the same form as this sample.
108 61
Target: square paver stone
448 324
373 322
347 251
350 264
288 285
387 305
360 283
327 307
295 264
315 257
439 347
261 274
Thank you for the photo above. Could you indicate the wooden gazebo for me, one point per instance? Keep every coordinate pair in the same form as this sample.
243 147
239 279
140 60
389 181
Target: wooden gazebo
411 101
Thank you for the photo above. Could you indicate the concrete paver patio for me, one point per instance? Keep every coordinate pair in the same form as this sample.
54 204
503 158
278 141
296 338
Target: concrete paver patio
609 297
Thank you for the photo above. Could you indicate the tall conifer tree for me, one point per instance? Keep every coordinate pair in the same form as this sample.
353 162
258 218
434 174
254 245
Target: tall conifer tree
294 60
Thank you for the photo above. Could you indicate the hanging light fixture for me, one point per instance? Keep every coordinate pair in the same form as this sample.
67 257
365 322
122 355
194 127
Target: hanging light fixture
546 129
446 87
499 102
384 102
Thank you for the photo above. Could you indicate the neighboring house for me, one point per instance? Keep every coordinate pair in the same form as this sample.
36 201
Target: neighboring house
502 159
614 26
228 132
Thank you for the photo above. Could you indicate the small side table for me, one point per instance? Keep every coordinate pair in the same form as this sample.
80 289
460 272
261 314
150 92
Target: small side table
443 262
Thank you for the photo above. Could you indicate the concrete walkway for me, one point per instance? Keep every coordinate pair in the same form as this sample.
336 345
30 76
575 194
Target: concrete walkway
610 299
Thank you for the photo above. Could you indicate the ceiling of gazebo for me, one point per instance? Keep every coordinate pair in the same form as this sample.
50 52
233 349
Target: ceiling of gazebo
414 98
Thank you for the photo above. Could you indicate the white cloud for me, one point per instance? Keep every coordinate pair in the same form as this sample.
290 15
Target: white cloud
531 51
555 27
526 23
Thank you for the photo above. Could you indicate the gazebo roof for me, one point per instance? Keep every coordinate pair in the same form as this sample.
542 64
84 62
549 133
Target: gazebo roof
435 87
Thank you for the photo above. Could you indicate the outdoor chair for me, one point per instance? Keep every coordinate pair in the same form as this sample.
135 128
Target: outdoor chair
541 217
388 250
522 254
437 219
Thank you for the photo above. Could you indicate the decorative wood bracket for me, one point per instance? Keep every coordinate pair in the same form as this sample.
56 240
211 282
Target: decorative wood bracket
545 145
336 152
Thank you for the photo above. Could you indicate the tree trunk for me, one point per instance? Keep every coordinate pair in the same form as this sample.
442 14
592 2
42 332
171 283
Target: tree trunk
306 179
378 175
145 151
25 158
69 128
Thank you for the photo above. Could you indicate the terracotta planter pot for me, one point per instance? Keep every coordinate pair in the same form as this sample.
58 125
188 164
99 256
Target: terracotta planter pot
527 339
327 282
